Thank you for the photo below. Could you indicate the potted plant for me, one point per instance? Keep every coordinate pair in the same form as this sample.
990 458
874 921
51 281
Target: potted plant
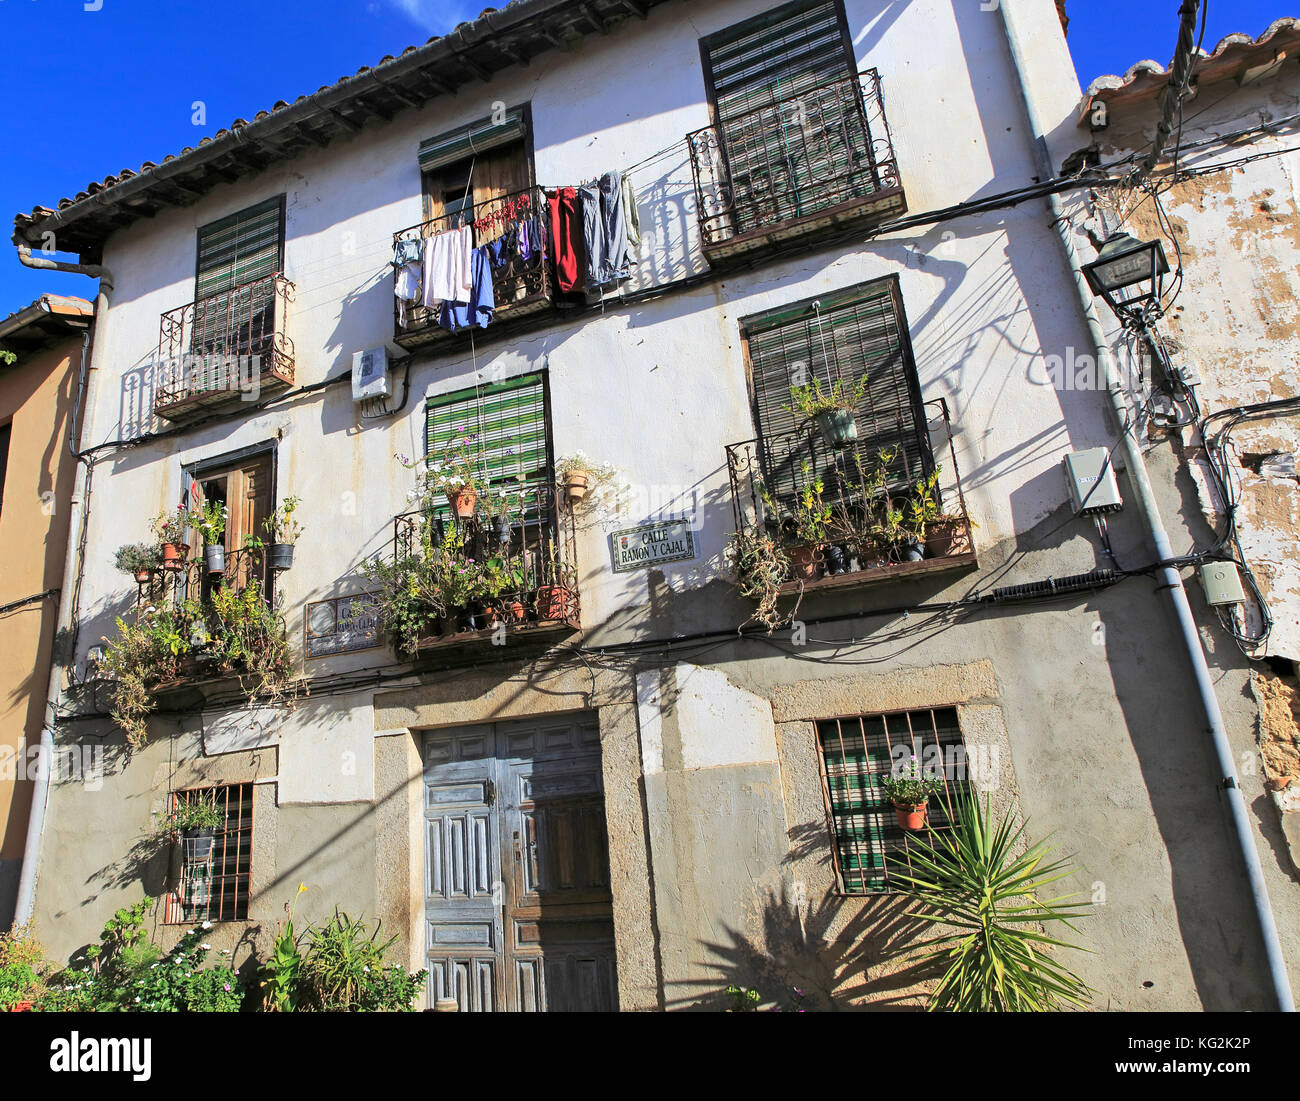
452 473
195 822
805 528
170 527
910 790
210 522
555 599
283 530
138 559
760 566
578 476
830 408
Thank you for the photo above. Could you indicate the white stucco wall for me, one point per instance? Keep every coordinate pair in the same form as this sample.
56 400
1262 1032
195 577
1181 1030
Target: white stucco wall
984 298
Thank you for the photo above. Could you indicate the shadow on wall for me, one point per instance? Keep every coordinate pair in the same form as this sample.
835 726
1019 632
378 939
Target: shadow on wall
829 955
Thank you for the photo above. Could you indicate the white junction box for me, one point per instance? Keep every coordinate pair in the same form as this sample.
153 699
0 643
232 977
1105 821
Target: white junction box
370 374
1222 583
1091 479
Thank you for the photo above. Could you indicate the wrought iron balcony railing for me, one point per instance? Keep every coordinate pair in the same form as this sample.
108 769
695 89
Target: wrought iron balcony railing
520 572
224 349
520 286
875 522
800 166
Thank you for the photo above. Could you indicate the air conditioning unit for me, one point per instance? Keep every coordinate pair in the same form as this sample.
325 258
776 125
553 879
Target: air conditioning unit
370 378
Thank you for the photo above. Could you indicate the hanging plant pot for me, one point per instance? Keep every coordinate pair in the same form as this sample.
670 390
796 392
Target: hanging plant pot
279 556
575 485
503 531
143 577
463 500
554 602
198 844
838 427
806 563
912 816
173 555
214 555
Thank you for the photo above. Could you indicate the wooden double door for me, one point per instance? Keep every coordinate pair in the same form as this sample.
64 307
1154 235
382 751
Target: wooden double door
518 907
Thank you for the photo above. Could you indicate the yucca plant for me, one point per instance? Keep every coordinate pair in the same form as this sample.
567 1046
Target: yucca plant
997 958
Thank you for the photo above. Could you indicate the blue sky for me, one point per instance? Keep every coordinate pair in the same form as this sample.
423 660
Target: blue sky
89 87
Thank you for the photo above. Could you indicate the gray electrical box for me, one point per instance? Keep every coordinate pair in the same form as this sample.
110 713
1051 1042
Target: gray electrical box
1091 479
1222 583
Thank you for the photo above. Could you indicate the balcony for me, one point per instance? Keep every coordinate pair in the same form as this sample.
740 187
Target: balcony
480 581
876 523
225 349
801 168
521 288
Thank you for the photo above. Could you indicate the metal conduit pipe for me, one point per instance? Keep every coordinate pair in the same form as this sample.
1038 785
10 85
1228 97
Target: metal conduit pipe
26 900
1171 580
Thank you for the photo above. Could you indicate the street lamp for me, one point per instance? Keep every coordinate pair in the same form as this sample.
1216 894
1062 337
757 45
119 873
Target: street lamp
1127 274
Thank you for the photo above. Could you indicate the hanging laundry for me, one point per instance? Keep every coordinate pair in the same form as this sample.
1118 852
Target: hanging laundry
480 304
448 267
407 255
605 231
568 252
631 216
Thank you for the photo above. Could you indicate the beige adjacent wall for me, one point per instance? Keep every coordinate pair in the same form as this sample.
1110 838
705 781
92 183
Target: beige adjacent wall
36 396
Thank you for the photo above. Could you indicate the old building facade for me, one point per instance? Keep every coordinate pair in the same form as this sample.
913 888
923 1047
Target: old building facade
623 799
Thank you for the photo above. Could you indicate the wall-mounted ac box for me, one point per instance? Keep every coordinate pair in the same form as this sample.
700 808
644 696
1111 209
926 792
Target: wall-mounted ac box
370 377
1222 583
1091 479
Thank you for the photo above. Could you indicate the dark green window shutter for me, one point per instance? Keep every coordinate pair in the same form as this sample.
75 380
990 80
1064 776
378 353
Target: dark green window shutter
789 113
511 428
856 754
858 332
241 248
477 137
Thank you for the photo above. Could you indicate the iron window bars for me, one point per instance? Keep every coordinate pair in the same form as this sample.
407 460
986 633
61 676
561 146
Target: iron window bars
854 754
216 879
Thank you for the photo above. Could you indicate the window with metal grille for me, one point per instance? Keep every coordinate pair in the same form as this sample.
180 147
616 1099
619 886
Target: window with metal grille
233 288
216 873
855 754
786 102
859 332
509 423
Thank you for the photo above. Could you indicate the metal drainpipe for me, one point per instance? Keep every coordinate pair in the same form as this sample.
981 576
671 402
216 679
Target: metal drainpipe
26 901
1171 580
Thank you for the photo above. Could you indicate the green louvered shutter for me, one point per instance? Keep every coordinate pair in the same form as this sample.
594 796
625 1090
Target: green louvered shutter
860 331
467 141
230 316
509 422
788 113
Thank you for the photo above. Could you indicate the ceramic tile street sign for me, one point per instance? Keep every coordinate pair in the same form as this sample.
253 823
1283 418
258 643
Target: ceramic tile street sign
339 626
651 545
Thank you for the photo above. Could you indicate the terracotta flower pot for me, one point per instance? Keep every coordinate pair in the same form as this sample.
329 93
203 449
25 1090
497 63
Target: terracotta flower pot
1278 783
912 816
575 484
945 537
554 602
806 563
173 555
142 576
516 611
22 1007
463 500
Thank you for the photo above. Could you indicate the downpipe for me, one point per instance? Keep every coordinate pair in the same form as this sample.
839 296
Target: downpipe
25 903
1171 580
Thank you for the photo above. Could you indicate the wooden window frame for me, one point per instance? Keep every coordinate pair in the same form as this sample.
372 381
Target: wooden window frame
461 167
894 839
175 911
